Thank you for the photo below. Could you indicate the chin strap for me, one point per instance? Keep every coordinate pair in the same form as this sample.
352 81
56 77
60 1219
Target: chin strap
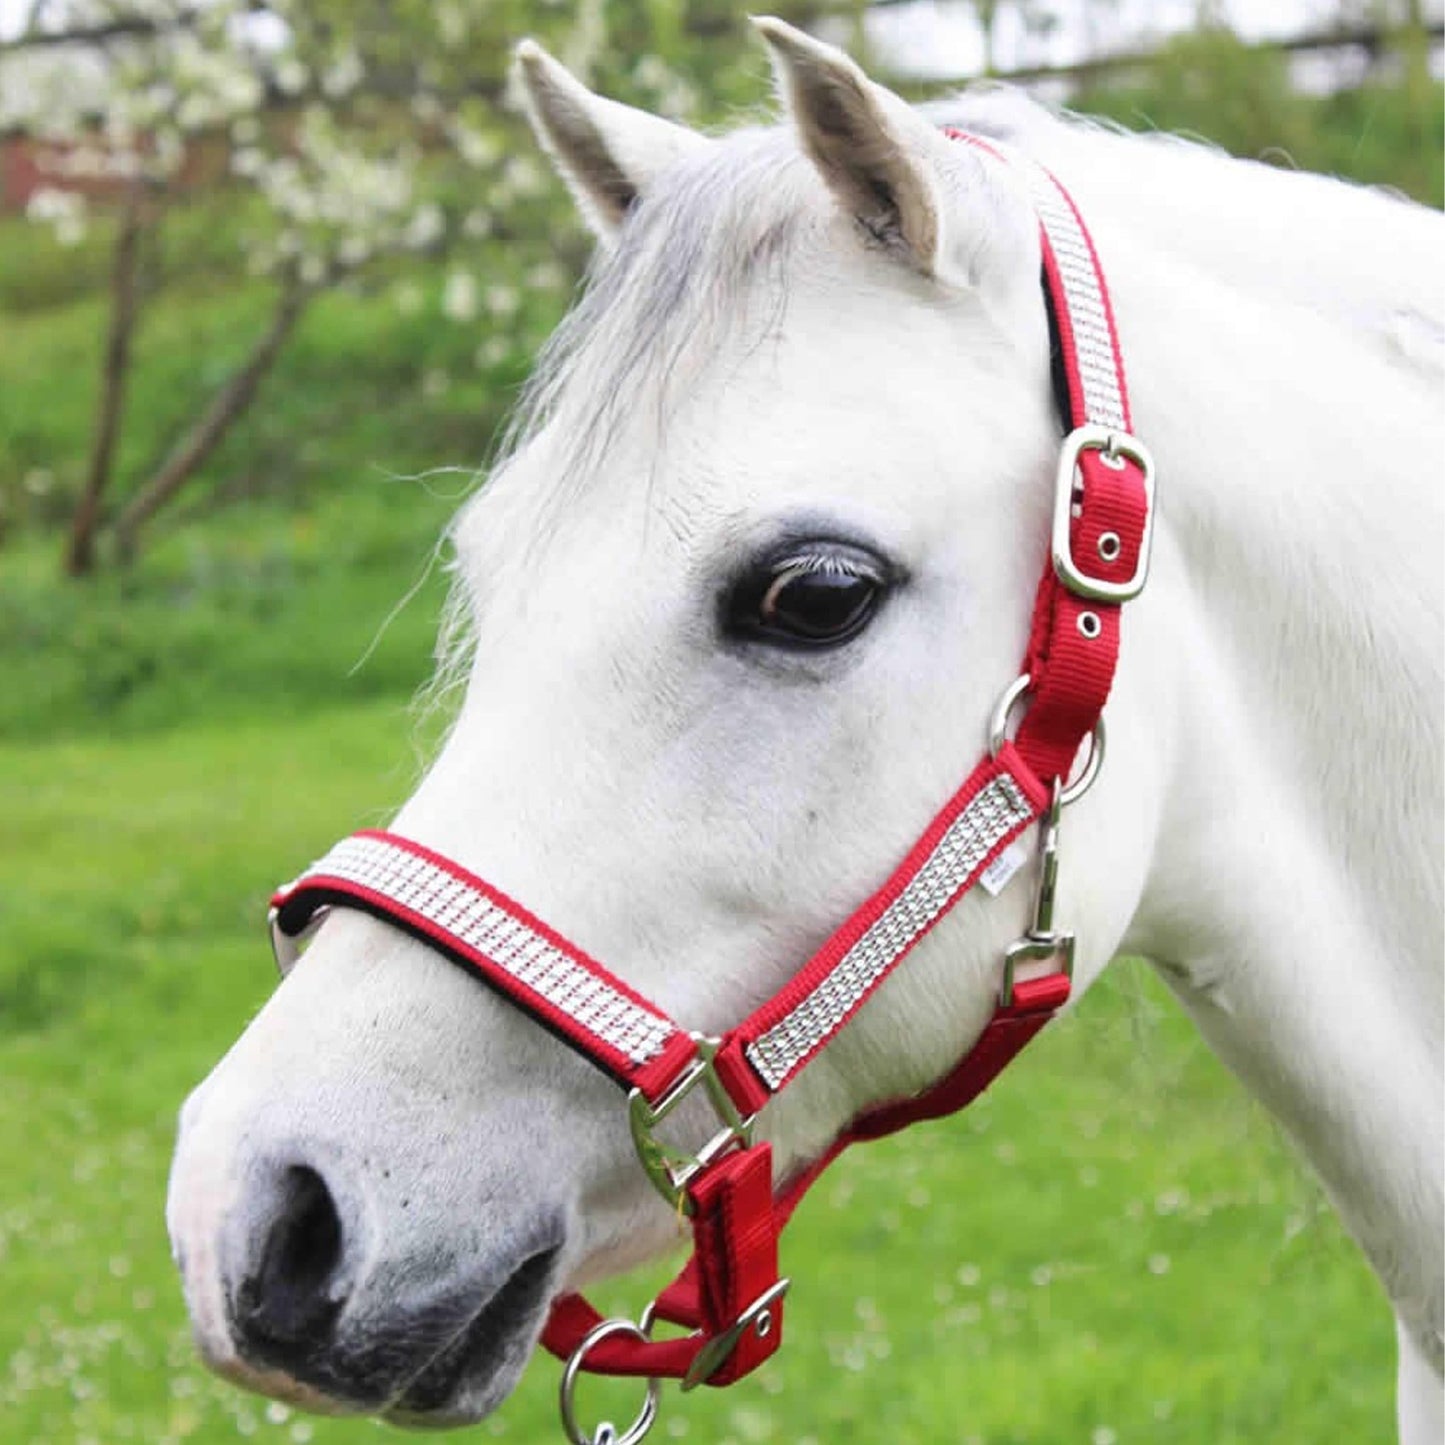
728 1299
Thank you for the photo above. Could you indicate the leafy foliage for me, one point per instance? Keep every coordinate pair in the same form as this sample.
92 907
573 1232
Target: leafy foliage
1209 83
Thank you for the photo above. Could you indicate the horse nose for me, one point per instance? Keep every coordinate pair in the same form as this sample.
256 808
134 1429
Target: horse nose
290 1276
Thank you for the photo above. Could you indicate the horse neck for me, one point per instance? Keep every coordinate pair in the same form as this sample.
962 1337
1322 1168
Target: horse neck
1286 664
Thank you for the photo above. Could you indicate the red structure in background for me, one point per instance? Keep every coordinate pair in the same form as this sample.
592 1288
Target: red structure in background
28 165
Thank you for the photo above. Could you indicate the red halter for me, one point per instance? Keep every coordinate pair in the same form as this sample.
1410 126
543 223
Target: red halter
728 1298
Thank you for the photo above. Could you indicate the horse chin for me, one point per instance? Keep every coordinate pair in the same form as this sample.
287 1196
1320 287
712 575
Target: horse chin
475 1372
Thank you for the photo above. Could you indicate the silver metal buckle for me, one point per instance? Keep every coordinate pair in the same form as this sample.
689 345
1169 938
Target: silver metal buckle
606 1432
718 1351
1042 943
672 1169
1114 445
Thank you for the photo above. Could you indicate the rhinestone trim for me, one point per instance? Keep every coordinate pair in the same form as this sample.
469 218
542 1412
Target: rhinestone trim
1098 362
484 927
995 811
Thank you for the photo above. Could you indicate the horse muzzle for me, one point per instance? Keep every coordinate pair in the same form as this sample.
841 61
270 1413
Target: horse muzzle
305 1282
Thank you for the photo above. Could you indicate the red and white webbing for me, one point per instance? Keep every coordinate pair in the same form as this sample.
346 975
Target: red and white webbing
728 1296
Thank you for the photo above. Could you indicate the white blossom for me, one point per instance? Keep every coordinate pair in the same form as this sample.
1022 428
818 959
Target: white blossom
290 76
343 75
547 276
426 227
502 300
63 211
459 296
477 224
492 352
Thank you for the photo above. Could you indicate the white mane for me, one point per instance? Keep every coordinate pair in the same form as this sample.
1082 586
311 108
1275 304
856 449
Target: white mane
1293 235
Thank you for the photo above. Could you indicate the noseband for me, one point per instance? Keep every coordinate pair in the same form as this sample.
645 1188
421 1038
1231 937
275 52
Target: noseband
728 1300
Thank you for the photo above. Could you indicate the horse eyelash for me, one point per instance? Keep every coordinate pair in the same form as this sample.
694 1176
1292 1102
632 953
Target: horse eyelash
806 564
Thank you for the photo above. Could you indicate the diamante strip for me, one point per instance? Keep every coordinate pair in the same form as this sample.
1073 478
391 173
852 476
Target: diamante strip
1084 294
487 928
995 811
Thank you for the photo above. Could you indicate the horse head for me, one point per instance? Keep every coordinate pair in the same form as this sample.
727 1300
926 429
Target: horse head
737 604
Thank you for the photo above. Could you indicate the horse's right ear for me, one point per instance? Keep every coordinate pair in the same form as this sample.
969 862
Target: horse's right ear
607 153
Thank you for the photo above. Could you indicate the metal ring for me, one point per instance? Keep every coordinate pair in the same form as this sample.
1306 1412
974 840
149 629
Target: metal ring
1093 763
642 1424
1089 625
1013 694
1110 545
998 724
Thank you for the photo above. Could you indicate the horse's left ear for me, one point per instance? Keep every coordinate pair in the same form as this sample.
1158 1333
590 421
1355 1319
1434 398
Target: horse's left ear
883 161
606 152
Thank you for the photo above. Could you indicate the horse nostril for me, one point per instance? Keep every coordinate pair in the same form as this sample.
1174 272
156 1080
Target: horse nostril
288 1300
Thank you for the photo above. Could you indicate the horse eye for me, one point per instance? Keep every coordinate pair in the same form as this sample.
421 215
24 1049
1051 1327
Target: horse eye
818 597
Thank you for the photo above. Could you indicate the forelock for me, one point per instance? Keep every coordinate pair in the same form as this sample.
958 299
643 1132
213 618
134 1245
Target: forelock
705 256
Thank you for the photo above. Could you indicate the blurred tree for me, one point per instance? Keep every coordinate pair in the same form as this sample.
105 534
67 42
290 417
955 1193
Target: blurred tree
364 128
1390 130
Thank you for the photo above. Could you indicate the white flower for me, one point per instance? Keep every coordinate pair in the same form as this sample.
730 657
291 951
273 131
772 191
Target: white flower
353 250
247 161
64 211
492 352
343 75
451 22
475 147
459 296
476 224
546 276
502 300
290 75
426 227
525 176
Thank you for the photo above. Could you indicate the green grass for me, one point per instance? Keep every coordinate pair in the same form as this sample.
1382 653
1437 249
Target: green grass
1112 1246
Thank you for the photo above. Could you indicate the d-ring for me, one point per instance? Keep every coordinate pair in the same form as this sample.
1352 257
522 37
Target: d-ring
998 724
640 1426
1092 764
1014 693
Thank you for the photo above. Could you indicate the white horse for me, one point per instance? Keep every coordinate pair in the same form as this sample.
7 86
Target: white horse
826 341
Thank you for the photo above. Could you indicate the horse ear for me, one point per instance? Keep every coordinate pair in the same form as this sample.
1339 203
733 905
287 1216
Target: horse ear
871 147
606 153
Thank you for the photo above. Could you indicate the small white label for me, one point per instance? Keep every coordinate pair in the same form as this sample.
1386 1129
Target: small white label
995 877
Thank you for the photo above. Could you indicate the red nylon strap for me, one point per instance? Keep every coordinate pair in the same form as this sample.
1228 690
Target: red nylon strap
1070 663
733 1265
747 1087
707 1297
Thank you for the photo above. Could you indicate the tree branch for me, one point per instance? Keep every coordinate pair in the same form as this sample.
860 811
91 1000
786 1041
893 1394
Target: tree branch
226 407
115 372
